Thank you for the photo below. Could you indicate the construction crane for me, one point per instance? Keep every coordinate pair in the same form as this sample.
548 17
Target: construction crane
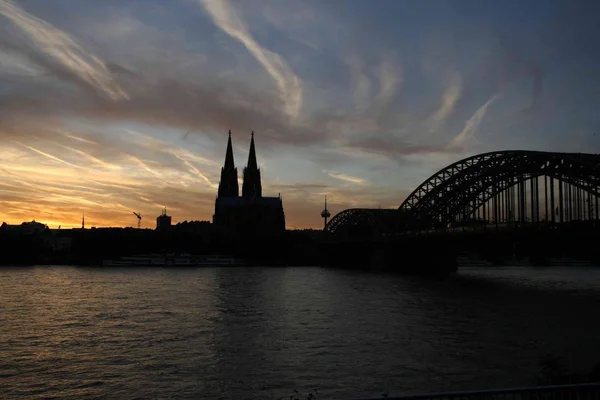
139 218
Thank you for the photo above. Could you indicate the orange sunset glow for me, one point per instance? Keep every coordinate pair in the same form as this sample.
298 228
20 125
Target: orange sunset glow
107 110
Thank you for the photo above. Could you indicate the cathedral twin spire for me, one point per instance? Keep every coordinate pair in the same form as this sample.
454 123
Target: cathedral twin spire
228 186
252 186
229 164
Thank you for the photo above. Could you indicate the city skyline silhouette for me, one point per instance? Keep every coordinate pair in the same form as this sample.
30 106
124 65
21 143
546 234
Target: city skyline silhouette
108 110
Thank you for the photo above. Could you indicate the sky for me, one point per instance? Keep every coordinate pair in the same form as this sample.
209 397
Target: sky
114 106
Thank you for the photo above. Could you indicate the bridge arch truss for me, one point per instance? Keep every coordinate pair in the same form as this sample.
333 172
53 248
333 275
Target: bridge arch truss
508 187
365 222
503 187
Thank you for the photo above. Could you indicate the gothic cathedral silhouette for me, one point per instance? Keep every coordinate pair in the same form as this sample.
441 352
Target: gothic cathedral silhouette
250 212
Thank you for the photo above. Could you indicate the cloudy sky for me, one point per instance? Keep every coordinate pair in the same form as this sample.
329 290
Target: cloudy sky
114 106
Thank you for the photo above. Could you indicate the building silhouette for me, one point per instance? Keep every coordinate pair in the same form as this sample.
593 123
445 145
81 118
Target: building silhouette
163 221
250 213
25 228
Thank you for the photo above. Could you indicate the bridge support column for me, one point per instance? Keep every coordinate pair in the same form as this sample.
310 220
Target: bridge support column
552 196
561 216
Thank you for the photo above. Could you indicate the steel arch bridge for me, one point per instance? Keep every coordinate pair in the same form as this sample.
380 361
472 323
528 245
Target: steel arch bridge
502 187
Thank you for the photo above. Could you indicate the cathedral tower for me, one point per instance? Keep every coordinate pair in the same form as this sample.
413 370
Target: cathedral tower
251 214
228 185
252 187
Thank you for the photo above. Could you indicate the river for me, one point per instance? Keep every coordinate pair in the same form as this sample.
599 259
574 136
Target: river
238 333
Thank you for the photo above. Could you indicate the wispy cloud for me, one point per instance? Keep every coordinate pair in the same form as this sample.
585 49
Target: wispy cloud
61 48
390 77
361 84
472 124
185 155
144 166
50 156
373 85
16 65
449 99
347 178
79 139
91 157
289 84
198 173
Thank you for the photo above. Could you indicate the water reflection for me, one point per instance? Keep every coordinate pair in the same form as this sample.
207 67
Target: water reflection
261 333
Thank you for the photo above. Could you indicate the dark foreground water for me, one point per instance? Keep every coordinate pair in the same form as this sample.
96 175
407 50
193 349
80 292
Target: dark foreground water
261 333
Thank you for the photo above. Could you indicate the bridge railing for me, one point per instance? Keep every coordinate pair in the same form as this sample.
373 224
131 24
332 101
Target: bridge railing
586 391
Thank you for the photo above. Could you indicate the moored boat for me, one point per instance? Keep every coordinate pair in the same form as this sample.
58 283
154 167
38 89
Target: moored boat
172 260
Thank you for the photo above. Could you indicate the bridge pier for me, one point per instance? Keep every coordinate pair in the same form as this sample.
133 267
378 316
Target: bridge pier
405 255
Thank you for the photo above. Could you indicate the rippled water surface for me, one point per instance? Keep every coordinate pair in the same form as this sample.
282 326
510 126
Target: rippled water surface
261 333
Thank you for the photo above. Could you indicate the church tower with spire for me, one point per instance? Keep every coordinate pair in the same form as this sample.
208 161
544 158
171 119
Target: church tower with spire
228 185
251 213
252 188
